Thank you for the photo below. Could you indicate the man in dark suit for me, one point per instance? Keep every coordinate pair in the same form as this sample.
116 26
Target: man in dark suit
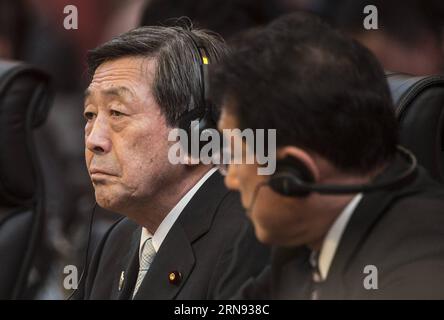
349 214
181 222
192 259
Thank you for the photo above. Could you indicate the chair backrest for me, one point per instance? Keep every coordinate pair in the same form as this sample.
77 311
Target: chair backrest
419 103
25 98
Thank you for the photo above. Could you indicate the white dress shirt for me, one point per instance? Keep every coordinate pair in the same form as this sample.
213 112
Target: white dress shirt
333 237
172 216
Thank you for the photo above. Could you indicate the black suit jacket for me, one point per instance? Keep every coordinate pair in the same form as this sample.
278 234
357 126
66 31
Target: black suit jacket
400 232
199 246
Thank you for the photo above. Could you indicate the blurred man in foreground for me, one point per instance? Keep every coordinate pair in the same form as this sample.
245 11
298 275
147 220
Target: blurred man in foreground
349 213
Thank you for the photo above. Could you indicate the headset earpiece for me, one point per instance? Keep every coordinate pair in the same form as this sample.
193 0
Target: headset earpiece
194 122
290 177
200 117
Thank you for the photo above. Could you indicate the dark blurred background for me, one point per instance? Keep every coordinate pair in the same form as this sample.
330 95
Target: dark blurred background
409 40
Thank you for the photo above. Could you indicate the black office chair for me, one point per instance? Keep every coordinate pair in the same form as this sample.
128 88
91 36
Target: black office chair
419 103
24 102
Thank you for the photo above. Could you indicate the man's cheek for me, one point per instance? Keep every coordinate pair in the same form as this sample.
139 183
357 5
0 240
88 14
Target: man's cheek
110 196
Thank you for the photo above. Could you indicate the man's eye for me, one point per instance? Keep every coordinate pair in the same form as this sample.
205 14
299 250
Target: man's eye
88 115
116 113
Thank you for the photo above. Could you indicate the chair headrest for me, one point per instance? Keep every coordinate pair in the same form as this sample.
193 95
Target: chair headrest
419 103
25 98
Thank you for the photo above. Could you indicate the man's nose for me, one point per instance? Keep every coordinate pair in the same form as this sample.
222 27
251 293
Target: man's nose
97 140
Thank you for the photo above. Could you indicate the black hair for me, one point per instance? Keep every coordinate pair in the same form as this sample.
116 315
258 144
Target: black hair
178 81
320 90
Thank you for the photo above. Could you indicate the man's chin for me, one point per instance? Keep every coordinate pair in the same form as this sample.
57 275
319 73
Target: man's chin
107 204
111 203
262 235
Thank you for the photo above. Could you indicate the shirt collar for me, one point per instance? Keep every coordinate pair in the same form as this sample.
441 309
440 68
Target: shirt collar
333 237
172 216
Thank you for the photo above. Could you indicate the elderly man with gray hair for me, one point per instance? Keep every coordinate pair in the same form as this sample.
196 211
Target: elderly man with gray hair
181 224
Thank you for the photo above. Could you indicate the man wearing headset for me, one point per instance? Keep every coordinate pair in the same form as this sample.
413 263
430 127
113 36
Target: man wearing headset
181 222
349 213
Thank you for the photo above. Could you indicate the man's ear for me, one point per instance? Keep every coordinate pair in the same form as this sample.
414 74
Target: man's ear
301 155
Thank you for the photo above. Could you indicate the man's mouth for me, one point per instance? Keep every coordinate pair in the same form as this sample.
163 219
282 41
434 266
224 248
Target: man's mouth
100 172
100 176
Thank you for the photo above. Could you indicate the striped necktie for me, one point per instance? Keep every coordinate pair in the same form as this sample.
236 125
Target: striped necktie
146 257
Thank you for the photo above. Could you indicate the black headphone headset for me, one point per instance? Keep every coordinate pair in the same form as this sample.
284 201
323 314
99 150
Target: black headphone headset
293 178
202 114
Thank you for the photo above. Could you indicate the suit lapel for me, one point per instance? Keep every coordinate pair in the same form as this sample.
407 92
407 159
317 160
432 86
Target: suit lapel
176 252
357 230
126 275
156 284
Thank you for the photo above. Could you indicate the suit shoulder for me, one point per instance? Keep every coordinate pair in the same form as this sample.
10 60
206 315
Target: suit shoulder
230 216
411 228
426 207
230 205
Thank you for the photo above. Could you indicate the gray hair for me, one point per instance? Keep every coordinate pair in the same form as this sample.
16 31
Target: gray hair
177 83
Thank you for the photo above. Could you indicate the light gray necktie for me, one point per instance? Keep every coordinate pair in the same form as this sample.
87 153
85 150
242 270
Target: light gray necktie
145 260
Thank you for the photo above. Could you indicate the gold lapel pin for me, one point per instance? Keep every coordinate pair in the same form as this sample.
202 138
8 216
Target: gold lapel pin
122 279
174 277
